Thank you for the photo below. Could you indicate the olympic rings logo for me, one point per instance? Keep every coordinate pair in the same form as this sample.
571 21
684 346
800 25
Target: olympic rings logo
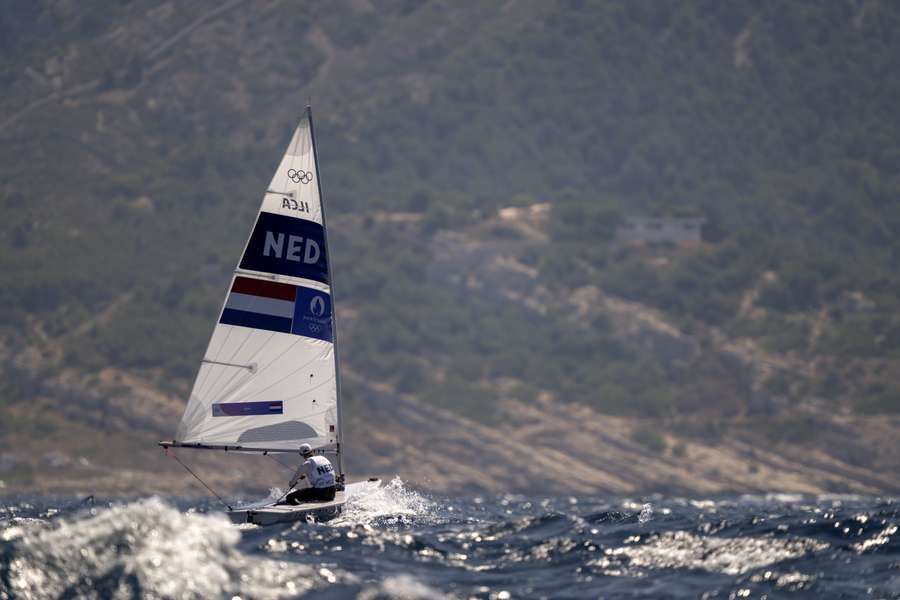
300 176
315 328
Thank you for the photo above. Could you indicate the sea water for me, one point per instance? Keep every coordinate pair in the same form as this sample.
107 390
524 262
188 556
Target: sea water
392 542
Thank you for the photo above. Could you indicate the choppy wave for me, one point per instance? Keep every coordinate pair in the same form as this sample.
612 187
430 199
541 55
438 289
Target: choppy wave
685 550
143 549
394 542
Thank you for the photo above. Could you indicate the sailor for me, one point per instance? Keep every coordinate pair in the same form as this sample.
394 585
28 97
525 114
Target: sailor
313 481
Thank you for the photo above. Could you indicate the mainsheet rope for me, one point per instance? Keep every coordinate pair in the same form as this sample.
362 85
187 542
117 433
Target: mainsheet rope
188 469
288 467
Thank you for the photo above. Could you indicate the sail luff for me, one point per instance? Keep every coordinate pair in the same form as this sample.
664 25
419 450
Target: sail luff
334 339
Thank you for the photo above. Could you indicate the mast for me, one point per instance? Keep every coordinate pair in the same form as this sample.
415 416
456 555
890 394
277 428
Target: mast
337 369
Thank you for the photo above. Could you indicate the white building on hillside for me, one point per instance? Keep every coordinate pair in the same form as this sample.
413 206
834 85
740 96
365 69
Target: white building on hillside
675 230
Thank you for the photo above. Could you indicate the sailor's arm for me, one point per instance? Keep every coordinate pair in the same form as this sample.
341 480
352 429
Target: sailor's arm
298 475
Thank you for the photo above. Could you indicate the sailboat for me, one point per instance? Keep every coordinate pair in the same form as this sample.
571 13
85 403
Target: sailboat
269 380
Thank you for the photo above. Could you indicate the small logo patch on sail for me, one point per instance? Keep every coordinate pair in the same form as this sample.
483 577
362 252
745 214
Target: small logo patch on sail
246 409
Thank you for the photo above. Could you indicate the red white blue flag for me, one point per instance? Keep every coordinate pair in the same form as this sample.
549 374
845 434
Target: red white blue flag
282 307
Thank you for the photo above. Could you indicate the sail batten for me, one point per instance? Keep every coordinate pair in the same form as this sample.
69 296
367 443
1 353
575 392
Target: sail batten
268 380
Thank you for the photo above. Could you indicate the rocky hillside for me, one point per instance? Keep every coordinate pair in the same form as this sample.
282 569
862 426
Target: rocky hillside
542 446
99 429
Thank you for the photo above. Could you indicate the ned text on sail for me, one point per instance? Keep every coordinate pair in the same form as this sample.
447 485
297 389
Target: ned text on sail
275 244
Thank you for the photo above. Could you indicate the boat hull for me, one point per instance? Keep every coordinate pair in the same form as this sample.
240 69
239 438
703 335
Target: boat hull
273 514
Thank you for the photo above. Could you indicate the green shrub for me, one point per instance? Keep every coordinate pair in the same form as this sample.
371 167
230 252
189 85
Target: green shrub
793 429
880 400
650 439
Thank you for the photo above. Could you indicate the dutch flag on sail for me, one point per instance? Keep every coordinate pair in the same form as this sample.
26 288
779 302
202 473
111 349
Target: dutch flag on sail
260 304
280 307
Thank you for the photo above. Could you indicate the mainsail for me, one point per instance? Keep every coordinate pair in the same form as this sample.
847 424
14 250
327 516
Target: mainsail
268 380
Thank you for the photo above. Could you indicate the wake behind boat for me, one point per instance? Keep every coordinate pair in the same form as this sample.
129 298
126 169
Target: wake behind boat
269 381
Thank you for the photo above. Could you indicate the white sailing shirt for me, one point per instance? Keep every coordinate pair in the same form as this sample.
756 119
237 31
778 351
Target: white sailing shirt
316 472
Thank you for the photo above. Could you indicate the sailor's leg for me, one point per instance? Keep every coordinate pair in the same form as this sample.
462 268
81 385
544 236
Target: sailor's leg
301 496
325 494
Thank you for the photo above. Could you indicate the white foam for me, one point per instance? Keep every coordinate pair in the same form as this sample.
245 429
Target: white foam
646 513
879 539
275 494
731 556
148 549
371 501
400 587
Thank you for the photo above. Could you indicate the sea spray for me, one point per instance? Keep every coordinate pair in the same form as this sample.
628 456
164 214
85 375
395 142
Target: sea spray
143 549
390 503
684 550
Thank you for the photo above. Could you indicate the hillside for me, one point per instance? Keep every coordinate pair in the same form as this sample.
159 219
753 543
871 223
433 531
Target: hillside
480 163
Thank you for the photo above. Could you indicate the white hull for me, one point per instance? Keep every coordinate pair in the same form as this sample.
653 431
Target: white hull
271 514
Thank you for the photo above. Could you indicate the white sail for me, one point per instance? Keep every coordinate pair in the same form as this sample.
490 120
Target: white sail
268 379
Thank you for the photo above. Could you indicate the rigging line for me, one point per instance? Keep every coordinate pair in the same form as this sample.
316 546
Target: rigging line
249 360
188 469
284 495
288 467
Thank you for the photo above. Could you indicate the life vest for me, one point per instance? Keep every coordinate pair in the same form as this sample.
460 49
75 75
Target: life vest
319 472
